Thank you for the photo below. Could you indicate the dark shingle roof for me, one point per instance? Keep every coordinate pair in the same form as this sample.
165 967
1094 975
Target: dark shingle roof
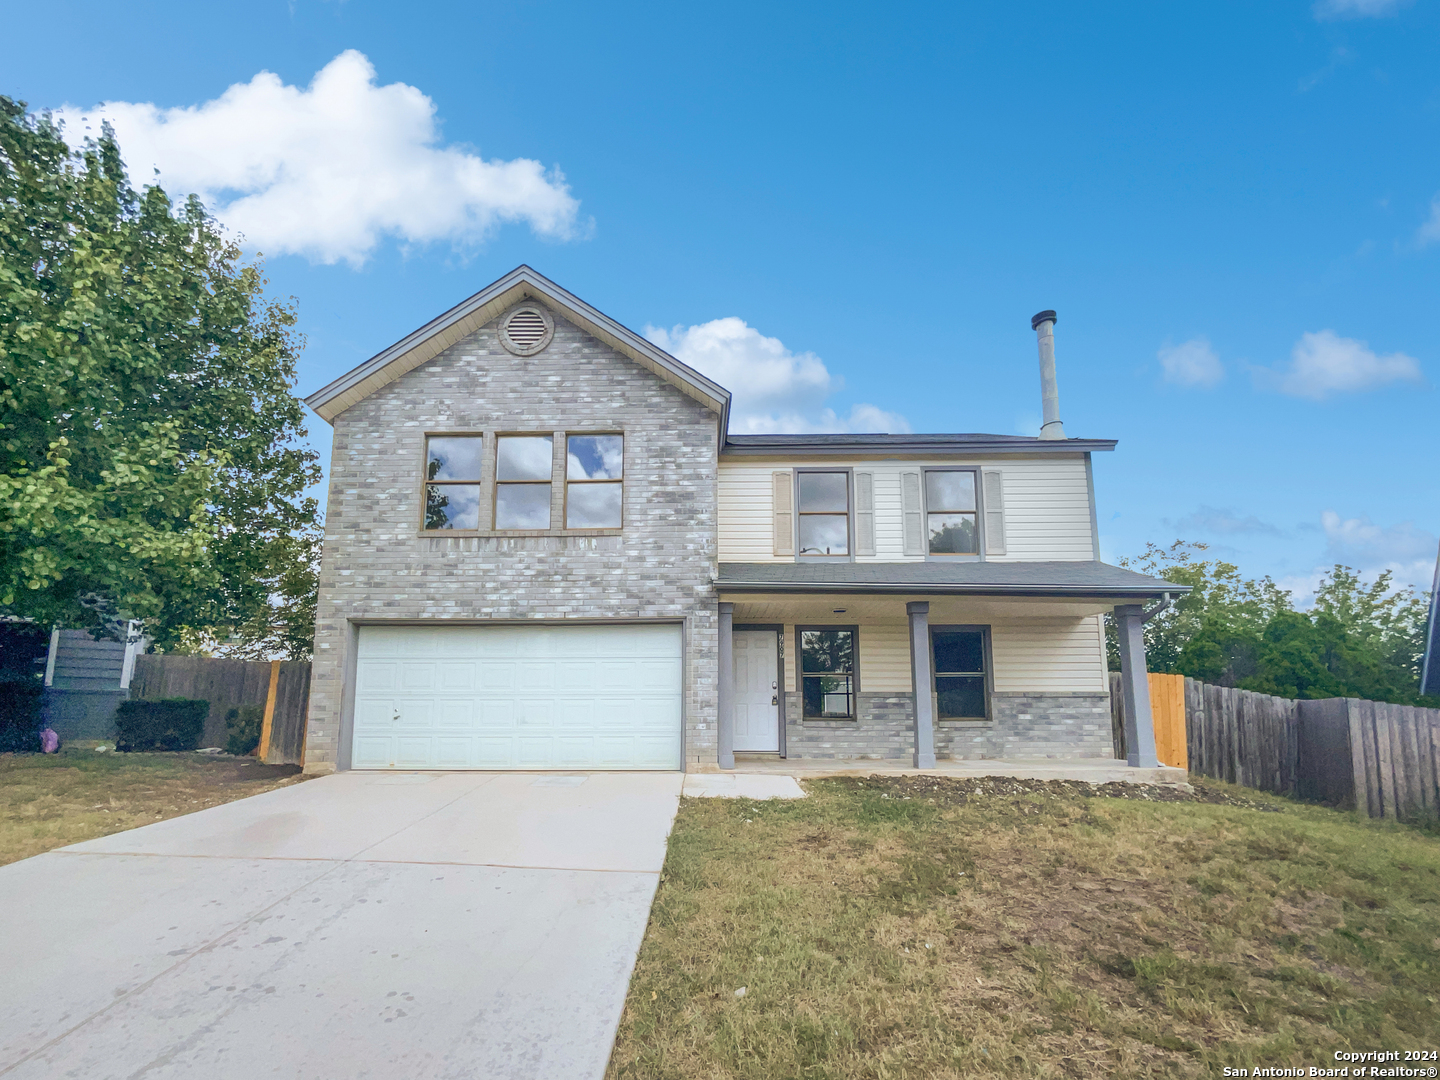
982 578
909 444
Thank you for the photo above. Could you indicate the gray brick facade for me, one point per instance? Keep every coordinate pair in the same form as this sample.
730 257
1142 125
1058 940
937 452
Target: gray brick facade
378 566
1052 725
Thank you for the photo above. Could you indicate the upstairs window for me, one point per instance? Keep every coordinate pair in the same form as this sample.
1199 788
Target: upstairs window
594 481
950 512
452 482
960 682
524 465
824 505
827 673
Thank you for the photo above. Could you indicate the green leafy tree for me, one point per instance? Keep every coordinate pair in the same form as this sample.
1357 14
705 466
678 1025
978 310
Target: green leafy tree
148 458
1357 640
1220 598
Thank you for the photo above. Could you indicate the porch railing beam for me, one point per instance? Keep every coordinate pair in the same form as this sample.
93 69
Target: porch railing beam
918 613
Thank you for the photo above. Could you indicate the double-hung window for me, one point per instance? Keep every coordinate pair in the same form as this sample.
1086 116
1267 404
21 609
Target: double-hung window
524 465
827 673
951 518
824 518
452 481
594 481
961 687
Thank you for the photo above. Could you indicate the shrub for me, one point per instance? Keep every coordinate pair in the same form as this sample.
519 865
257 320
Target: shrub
20 706
243 724
173 724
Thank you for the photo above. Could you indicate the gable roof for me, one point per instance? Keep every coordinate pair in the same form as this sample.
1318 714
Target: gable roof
522 283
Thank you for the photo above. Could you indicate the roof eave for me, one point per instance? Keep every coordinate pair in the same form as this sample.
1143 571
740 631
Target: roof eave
919 446
1089 592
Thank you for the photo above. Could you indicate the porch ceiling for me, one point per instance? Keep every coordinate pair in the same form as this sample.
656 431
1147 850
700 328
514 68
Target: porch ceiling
868 608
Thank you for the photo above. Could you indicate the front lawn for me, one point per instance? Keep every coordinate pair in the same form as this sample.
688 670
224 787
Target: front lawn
936 927
50 800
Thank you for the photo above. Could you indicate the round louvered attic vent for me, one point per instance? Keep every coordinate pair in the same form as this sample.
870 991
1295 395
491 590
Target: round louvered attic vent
527 330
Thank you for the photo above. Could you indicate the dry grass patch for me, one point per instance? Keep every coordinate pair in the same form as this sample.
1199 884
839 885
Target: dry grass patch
50 800
937 927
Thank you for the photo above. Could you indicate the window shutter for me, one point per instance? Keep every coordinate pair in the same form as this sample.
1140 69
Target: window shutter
994 493
784 500
914 525
864 513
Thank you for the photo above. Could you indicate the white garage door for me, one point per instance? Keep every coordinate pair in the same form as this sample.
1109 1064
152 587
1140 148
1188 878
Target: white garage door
518 697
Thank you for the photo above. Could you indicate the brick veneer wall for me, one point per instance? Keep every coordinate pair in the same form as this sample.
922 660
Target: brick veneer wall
376 564
1053 725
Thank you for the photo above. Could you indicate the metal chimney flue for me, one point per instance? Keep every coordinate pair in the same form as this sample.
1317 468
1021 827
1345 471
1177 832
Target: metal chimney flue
1044 326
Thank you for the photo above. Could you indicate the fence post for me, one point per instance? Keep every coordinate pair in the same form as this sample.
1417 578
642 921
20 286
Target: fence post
263 750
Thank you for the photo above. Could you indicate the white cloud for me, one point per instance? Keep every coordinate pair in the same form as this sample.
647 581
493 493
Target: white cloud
1405 549
329 170
1357 9
1192 363
1324 363
1430 232
1210 519
775 390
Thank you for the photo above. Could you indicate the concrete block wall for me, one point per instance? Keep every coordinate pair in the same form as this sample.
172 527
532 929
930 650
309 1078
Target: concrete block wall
1051 725
378 565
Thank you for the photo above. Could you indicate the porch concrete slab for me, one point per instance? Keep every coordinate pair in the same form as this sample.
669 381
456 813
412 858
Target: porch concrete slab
382 955
1087 770
742 785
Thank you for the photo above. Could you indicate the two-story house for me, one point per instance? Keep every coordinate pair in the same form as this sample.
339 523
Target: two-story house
544 550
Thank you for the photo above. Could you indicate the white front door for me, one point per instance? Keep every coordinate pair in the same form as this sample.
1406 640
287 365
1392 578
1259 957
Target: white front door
757 692
604 696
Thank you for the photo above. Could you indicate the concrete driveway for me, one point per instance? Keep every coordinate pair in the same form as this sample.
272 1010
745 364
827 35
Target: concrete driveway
384 925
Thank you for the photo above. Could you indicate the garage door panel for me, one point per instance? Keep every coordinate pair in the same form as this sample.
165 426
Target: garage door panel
534 675
412 752
377 675
457 675
518 697
534 753
414 713
416 675
496 674
456 714
453 752
492 752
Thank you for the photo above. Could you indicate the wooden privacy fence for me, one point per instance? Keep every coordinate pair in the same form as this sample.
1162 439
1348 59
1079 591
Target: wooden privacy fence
281 687
1167 710
1381 759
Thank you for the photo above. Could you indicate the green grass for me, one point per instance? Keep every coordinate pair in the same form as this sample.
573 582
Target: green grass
50 800
885 929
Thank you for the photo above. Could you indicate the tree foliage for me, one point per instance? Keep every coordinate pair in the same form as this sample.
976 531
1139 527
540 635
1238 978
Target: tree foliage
1357 639
148 458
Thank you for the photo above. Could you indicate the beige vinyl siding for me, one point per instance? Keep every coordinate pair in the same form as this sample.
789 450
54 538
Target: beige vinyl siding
885 659
1047 507
747 505
1035 655
1028 655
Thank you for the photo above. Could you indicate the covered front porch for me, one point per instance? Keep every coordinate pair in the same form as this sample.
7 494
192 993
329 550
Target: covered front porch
817 677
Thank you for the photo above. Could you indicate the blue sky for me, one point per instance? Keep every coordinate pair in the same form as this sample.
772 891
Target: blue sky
848 213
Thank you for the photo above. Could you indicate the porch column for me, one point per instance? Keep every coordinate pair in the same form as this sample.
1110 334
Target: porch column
919 615
1139 726
725 718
